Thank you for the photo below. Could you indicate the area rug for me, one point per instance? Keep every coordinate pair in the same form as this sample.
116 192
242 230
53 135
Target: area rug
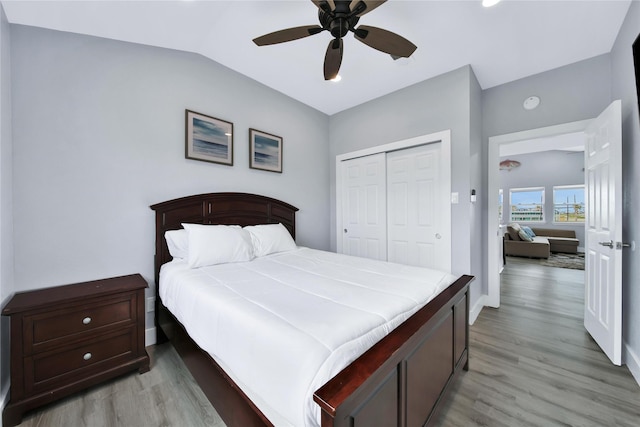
573 261
558 260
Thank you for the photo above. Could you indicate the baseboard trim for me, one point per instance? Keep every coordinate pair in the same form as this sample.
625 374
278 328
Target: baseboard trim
632 361
476 309
149 336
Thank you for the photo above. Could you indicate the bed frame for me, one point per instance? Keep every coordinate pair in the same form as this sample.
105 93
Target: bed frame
400 381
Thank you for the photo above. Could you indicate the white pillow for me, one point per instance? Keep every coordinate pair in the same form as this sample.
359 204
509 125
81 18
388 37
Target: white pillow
270 238
217 244
177 243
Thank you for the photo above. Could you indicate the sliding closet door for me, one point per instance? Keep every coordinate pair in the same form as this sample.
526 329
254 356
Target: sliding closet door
394 204
364 203
415 201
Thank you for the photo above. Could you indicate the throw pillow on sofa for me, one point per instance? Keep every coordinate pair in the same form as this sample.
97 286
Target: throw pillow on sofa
513 229
524 235
528 230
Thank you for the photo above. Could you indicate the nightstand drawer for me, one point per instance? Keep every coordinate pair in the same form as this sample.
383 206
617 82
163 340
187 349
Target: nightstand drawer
45 369
54 327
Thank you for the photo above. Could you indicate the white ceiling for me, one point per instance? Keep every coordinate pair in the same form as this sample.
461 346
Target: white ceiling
512 40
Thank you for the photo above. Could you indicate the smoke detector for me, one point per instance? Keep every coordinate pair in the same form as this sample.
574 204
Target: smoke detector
531 103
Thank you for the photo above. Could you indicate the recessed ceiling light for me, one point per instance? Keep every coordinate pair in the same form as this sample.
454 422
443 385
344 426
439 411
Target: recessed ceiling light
489 3
531 102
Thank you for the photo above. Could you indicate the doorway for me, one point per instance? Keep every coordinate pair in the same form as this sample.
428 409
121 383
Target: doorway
494 232
603 187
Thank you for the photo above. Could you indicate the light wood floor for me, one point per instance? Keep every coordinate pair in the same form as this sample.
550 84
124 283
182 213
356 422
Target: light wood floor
531 364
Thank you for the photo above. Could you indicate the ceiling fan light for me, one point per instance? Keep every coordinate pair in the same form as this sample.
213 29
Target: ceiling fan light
489 3
336 79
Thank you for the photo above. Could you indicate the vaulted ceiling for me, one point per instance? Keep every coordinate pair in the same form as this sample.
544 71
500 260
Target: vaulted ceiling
507 42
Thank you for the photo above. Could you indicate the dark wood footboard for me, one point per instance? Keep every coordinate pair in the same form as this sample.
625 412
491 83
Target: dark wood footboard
401 379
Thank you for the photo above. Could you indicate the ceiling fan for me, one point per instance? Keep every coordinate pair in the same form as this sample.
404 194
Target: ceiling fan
339 17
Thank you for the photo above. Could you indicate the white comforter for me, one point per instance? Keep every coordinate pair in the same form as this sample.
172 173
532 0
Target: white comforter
284 324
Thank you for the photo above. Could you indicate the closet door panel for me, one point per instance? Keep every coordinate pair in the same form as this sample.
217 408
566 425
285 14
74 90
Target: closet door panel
414 201
364 207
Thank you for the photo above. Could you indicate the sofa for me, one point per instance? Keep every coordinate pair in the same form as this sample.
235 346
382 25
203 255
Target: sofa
538 242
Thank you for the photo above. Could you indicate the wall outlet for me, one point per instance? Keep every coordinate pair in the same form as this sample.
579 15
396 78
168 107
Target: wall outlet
151 304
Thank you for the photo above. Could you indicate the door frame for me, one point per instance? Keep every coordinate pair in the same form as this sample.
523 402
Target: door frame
493 186
443 137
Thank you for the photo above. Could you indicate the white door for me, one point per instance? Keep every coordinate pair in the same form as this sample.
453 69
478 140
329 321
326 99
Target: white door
603 287
364 204
415 202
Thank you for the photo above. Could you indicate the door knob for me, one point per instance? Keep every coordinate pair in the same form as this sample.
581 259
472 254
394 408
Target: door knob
609 243
438 236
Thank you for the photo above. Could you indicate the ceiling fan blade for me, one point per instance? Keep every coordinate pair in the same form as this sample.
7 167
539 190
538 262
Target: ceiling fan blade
333 59
385 41
288 35
326 5
367 6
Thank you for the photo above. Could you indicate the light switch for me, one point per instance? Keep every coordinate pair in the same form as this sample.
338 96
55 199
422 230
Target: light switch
455 199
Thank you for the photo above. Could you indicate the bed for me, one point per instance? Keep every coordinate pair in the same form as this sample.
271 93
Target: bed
398 379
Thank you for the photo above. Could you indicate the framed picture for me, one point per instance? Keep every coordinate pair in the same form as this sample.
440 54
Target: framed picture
265 151
208 139
635 48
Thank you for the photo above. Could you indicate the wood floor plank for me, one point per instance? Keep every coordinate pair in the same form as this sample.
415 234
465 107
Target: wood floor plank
167 396
531 361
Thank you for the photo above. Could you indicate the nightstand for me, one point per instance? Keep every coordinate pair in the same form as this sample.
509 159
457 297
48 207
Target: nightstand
68 338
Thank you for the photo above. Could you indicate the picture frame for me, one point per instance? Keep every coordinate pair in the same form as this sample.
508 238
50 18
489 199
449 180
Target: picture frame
635 51
208 139
265 151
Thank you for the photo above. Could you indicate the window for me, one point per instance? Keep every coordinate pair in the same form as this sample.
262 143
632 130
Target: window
500 206
527 204
568 203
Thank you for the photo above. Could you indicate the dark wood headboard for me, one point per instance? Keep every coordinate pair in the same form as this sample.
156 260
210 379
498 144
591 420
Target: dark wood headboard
218 208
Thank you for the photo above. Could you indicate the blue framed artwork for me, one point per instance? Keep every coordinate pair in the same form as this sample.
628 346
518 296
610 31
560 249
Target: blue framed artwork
265 151
208 139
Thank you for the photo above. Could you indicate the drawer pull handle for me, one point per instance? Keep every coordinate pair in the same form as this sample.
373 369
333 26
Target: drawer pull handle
87 356
86 320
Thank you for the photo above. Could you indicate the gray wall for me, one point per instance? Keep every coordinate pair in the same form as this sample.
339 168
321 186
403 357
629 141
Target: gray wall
98 136
6 195
450 101
575 92
624 88
476 167
545 169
